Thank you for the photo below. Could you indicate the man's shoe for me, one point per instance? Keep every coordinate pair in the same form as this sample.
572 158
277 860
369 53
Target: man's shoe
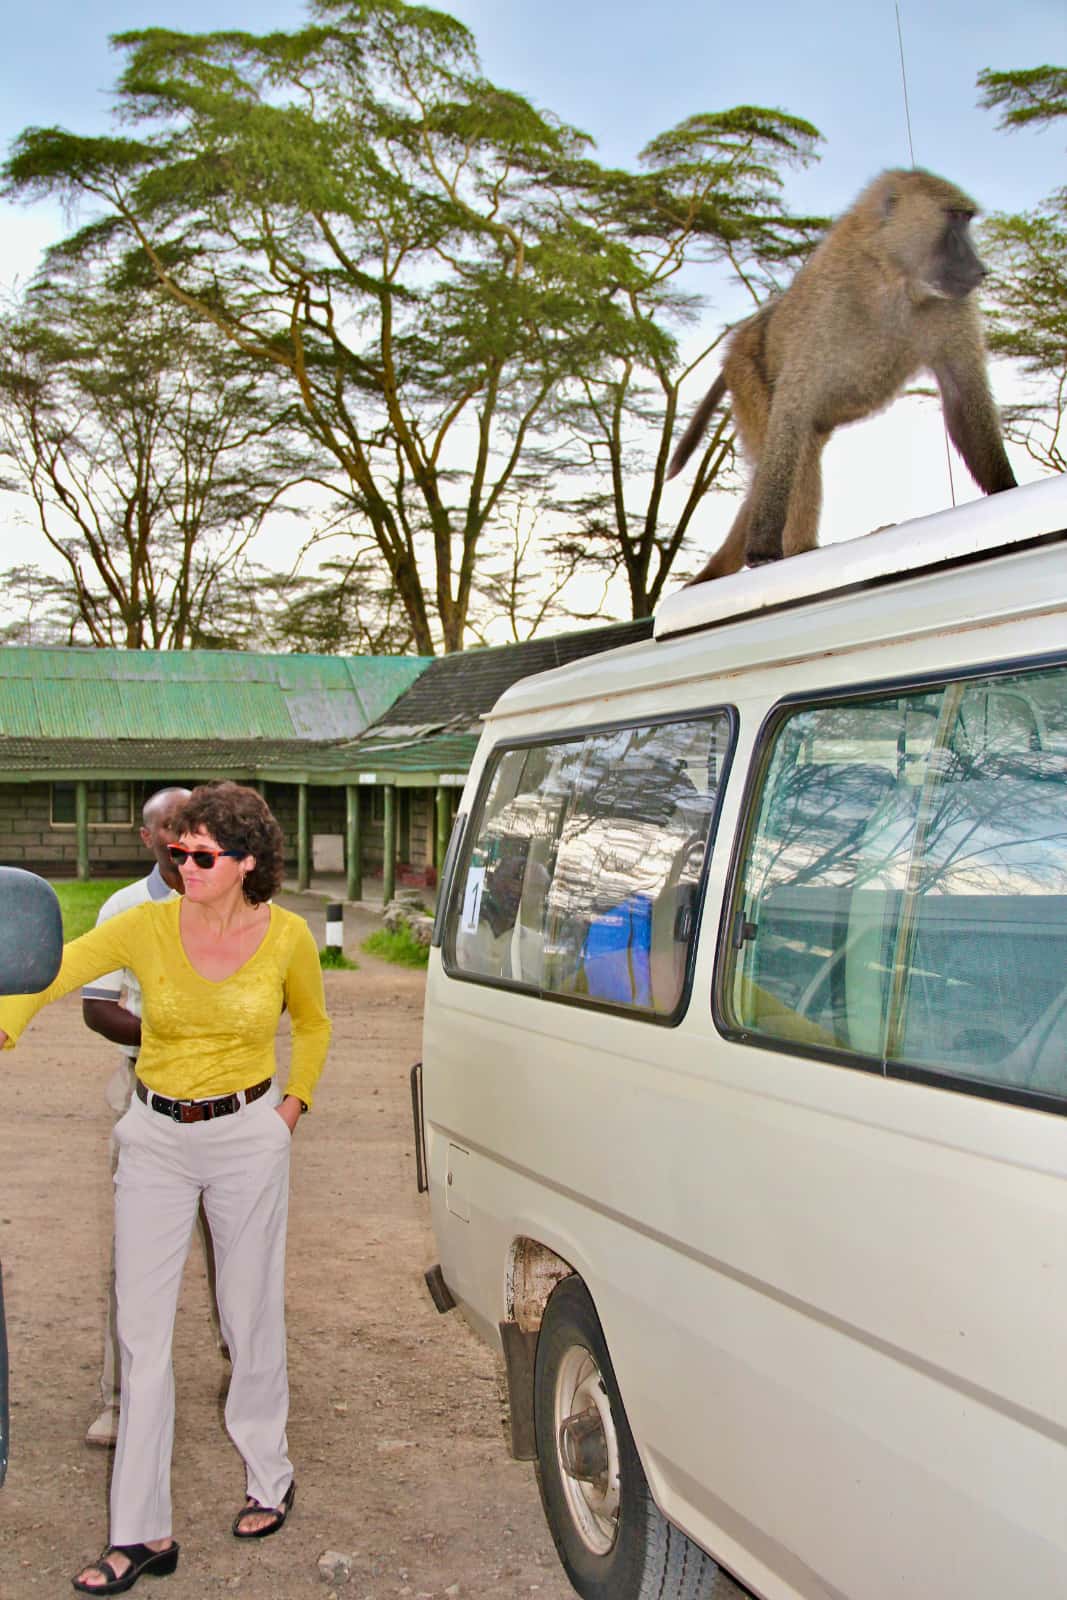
104 1432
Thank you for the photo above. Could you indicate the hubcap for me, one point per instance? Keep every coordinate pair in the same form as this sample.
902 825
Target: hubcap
587 1449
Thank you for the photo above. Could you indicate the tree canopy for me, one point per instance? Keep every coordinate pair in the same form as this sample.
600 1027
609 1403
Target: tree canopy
149 455
1028 254
1030 97
441 277
710 198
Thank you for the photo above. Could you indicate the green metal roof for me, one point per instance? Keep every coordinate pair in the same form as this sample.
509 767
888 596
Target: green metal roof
195 694
196 714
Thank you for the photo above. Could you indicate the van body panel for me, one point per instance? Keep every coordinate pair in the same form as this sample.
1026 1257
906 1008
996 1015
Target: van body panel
835 1300
752 1219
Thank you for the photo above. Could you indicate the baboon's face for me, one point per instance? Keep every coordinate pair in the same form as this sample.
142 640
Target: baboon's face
929 236
958 268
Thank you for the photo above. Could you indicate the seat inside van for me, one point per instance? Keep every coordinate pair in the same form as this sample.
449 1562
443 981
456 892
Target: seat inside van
978 926
954 957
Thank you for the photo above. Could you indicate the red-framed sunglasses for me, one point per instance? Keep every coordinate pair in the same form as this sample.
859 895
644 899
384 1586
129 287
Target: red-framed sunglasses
204 859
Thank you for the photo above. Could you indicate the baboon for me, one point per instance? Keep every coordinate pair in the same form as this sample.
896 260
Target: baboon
887 294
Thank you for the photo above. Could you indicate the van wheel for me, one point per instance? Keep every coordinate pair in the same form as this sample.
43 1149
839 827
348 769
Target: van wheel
611 1537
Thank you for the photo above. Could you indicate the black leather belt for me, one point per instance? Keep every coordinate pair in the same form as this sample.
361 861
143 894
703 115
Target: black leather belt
200 1110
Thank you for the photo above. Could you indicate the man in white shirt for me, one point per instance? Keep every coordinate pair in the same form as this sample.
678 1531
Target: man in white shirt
111 1006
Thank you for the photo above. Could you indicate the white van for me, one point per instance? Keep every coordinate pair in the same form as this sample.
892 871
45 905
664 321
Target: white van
745 1075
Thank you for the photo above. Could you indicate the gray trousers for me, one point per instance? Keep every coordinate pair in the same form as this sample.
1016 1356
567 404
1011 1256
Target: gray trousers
239 1164
109 1372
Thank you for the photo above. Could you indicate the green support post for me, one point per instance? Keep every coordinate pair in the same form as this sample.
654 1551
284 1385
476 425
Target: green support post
403 825
353 844
443 826
303 838
389 845
81 824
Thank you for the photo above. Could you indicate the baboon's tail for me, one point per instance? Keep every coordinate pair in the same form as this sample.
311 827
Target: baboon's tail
697 424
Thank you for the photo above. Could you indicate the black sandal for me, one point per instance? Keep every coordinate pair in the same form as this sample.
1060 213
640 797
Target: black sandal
253 1508
142 1558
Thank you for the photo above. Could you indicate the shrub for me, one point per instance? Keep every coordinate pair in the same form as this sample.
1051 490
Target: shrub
333 959
400 946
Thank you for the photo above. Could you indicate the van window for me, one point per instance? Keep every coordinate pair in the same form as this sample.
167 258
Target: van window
583 875
903 895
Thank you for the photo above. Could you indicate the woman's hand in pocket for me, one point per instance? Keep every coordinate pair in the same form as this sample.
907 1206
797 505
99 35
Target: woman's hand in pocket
289 1111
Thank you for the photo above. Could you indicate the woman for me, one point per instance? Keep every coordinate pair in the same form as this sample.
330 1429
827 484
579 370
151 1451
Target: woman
216 968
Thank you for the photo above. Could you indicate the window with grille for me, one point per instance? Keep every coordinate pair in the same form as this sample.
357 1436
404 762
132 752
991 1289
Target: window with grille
110 804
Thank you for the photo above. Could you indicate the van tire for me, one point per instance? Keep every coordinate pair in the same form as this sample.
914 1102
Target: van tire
613 1541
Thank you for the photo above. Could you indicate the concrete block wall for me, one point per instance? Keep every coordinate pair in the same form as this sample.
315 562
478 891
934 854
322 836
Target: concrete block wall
422 827
326 814
29 839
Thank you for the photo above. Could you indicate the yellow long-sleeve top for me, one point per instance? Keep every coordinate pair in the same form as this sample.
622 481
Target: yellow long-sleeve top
201 1038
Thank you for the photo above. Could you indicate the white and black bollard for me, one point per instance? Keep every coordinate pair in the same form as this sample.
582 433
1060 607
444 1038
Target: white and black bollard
335 927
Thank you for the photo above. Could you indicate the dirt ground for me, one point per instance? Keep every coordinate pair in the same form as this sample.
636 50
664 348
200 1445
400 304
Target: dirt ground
394 1428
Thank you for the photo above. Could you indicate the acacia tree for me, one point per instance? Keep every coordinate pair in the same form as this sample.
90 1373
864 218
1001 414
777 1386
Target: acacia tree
1029 97
354 206
710 196
41 609
149 456
1028 255
517 592
343 609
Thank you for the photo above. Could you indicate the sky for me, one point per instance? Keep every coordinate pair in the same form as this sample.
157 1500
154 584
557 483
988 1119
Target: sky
625 71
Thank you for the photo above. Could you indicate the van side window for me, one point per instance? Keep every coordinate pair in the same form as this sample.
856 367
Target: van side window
903 896
583 874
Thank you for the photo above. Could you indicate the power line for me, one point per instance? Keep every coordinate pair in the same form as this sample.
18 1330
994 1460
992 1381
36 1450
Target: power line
911 153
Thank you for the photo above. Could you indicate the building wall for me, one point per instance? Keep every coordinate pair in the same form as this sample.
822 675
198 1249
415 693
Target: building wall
326 815
28 838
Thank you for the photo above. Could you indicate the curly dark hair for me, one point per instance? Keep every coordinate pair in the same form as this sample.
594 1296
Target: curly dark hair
238 818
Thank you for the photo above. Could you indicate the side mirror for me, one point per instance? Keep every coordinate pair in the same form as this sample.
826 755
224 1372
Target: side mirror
31 932
31 948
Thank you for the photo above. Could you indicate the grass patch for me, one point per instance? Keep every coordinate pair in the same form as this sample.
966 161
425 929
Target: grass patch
401 947
333 959
80 902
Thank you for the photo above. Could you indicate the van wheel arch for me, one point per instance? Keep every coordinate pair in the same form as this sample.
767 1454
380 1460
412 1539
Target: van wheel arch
612 1538
533 1271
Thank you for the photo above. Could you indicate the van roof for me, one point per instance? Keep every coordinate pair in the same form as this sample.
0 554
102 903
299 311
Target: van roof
973 532
834 598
